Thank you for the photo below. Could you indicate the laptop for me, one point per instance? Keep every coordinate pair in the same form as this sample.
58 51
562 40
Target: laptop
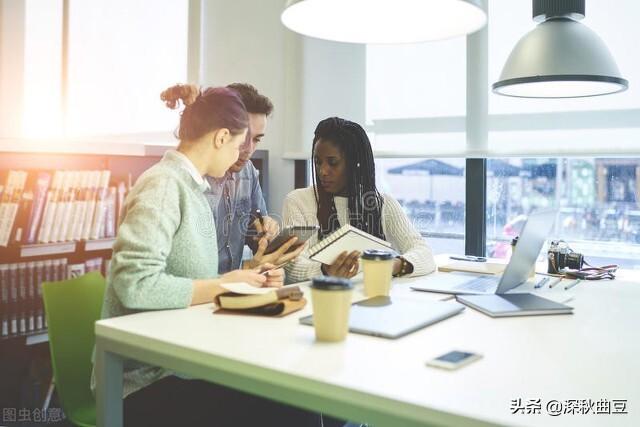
534 233
394 317
502 304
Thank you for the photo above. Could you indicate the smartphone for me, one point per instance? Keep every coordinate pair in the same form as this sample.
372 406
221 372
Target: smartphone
303 233
453 360
468 258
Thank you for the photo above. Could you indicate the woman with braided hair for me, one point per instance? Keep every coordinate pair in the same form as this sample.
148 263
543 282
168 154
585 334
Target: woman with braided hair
344 192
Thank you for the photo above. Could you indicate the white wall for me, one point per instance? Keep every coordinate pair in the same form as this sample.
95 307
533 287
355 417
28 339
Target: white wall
243 41
307 79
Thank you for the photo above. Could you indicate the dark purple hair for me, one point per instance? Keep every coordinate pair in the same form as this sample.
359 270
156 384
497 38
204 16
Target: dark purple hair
214 108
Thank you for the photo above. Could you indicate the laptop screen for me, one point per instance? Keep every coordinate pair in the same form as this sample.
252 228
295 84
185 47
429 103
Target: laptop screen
534 234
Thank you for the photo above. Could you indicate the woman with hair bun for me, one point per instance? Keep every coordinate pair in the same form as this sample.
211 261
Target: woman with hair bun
165 255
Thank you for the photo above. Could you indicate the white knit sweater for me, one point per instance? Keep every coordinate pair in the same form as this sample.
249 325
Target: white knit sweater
300 209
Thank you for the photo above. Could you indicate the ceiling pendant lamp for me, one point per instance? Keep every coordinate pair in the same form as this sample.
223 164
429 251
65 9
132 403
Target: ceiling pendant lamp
560 58
383 21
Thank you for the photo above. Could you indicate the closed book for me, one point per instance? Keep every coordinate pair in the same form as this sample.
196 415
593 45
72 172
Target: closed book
5 201
122 191
31 296
13 299
77 221
51 207
23 301
19 232
100 214
48 277
62 226
244 296
110 217
39 278
75 270
91 193
347 238
37 208
60 206
93 264
4 300
9 210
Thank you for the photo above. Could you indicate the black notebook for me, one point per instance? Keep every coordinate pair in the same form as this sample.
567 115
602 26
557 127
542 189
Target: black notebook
346 238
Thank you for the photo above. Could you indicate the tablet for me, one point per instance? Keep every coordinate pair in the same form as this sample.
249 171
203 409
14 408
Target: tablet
303 233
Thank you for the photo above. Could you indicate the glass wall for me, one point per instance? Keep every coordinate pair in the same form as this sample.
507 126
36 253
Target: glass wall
597 201
432 193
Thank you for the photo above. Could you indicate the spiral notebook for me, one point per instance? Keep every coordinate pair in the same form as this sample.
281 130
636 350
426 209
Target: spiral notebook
346 238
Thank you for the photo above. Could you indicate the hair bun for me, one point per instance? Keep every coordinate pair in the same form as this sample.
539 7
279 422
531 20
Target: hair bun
185 93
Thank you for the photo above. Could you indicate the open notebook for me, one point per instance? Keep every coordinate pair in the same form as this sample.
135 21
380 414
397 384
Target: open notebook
346 238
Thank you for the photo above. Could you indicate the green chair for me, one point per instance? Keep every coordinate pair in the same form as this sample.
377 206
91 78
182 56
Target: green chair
72 307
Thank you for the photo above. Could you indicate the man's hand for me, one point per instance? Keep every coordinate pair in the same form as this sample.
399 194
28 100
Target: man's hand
346 265
278 257
268 228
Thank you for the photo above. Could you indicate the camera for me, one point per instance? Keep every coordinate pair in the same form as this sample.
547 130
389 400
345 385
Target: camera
560 256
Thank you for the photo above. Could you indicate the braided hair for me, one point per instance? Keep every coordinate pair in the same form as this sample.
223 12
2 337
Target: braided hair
365 202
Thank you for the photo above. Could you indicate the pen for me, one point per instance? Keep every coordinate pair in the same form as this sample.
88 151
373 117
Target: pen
266 272
571 285
555 282
541 283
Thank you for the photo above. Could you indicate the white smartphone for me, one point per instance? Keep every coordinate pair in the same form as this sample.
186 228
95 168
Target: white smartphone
454 360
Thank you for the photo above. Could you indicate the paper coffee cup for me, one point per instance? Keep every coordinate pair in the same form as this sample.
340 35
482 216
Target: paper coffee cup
378 268
331 301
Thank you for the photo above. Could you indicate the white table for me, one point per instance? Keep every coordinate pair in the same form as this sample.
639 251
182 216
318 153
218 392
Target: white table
593 354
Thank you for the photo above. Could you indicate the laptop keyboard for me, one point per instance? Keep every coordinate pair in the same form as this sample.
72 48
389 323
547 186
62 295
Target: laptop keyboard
479 284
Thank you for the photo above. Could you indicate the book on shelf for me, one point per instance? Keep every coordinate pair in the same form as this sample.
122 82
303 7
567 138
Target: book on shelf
94 181
4 300
347 238
62 206
247 299
50 208
37 209
94 264
97 228
19 226
75 270
9 204
21 304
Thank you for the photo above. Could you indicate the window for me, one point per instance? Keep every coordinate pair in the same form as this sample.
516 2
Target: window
121 55
597 200
42 110
415 107
432 193
416 80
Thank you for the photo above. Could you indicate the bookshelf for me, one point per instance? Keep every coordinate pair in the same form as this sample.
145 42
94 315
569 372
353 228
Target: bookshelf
24 362
72 231
24 354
